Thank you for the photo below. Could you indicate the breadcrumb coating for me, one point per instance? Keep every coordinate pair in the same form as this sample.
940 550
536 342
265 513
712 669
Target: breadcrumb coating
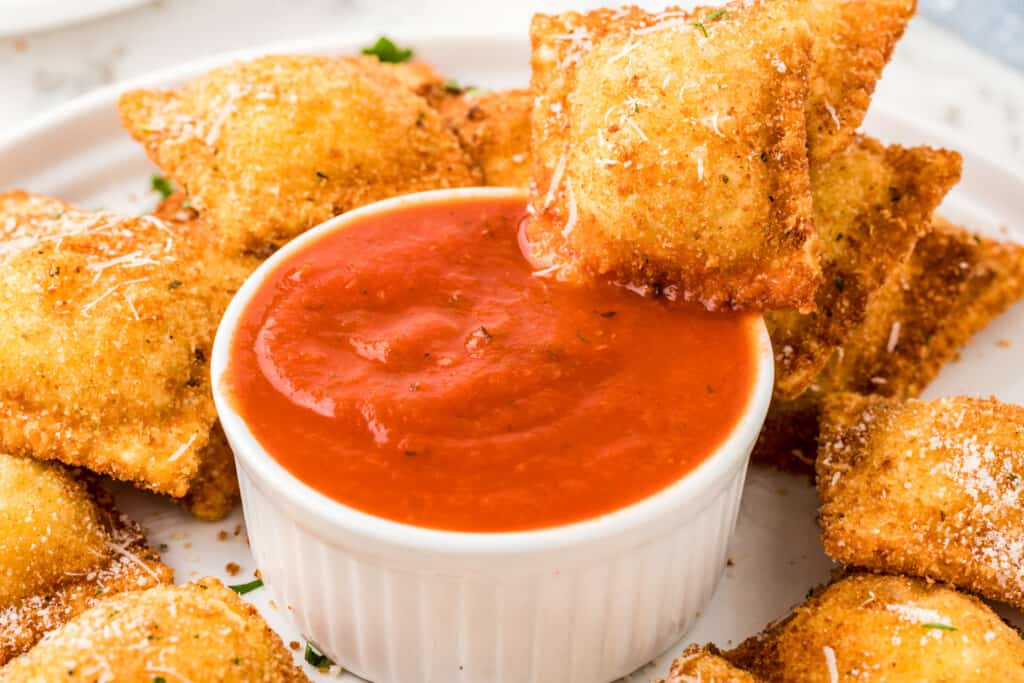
268 148
670 148
200 631
888 629
954 284
872 203
494 128
63 547
109 321
705 665
926 488
853 42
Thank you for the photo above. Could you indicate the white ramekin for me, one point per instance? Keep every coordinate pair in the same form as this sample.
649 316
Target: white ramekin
582 603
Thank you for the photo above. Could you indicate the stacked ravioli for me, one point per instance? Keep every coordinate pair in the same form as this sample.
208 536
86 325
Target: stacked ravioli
710 156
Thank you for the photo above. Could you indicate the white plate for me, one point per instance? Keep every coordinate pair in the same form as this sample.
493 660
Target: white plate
80 153
25 16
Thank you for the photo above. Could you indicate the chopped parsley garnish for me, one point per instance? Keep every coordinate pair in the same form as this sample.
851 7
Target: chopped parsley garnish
725 179
316 658
186 204
940 626
243 588
386 51
839 237
840 283
321 176
56 214
159 679
163 547
161 185
700 25
718 15
174 284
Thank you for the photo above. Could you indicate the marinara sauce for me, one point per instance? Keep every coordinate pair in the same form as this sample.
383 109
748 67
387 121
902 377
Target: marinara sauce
413 367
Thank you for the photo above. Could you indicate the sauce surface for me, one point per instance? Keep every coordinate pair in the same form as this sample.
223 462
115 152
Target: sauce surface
412 367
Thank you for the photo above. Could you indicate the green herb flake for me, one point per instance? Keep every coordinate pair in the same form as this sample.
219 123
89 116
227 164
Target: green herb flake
162 186
840 283
243 588
56 214
839 237
386 51
700 25
718 15
186 204
725 179
321 176
940 626
316 658
174 284
163 547
159 679
452 86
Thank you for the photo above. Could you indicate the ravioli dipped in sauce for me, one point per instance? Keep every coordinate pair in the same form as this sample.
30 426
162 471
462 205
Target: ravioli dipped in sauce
413 366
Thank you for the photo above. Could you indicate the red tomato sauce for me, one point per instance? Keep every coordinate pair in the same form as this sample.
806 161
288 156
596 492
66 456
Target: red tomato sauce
411 366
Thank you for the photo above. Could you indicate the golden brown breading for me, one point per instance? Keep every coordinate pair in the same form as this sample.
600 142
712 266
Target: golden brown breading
852 44
494 127
63 547
926 488
199 631
176 209
887 629
419 77
268 148
871 205
705 665
214 490
953 286
109 322
670 148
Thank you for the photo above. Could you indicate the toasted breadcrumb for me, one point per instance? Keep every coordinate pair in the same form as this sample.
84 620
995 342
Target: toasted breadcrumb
63 547
268 148
200 631
109 321
872 204
705 665
885 628
659 144
926 488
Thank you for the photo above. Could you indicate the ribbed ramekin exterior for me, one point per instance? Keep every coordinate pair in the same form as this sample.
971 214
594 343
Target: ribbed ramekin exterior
416 618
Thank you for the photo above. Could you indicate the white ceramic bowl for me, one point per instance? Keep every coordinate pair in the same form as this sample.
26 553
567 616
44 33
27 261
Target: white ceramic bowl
581 603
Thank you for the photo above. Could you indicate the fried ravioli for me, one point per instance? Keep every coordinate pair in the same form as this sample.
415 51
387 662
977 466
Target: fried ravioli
926 488
954 284
494 128
267 149
199 631
109 321
62 548
871 205
887 629
852 44
705 665
670 148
